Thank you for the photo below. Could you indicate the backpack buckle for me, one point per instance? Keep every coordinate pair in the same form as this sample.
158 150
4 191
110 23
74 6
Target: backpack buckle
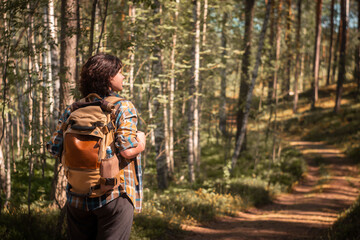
110 126
109 181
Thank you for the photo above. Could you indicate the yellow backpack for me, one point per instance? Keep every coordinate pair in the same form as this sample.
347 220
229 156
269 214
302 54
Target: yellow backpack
89 158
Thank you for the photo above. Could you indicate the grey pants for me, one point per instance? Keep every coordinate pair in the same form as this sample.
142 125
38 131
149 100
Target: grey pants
110 222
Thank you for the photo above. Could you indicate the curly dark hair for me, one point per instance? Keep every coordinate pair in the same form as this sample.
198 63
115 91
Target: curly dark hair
96 73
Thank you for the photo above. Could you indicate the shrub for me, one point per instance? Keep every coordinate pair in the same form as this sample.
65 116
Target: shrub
347 225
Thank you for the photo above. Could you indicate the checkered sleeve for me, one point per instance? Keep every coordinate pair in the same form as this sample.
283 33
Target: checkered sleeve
126 123
55 145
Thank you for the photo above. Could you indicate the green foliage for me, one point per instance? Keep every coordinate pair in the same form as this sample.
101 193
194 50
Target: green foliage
347 225
354 153
342 129
253 191
154 227
186 204
40 225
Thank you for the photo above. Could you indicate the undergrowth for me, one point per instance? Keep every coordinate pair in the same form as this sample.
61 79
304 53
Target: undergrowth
347 225
322 124
40 224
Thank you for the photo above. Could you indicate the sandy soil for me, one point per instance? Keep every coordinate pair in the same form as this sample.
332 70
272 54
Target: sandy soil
311 207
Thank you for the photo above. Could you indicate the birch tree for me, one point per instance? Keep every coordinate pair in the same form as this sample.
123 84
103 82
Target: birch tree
171 86
196 84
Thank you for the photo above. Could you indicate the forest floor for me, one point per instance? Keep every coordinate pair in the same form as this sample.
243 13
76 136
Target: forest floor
330 184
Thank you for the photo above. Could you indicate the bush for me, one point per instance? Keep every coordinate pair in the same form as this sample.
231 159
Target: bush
347 225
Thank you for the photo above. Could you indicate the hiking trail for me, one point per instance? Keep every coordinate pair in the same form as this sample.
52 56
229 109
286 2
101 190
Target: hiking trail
330 185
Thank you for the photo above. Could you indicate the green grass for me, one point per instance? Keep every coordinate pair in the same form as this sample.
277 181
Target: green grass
341 129
16 224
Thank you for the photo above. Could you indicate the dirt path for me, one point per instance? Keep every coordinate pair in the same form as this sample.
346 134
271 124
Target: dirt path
331 184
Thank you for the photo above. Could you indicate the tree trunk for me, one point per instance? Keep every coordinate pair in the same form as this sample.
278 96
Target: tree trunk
78 36
342 58
278 46
44 103
192 160
317 53
54 62
272 54
205 22
286 83
331 41
7 160
297 69
222 110
67 76
357 55
272 61
92 25
196 85
31 101
246 61
157 69
2 175
132 51
103 24
240 140
171 86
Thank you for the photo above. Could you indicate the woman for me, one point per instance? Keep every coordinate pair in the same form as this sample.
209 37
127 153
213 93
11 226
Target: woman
110 215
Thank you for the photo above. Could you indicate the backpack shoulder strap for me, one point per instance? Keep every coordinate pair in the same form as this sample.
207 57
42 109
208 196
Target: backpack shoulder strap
113 99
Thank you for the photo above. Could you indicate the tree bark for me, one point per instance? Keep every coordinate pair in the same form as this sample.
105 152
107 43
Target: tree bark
246 61
32 61
54 62
92 25
357 55
331 41
272 54
171 86
278 46
222 110
197 86
240 140
78 36
157 69
8 161
286 83
132 52
297 69
342 58
103 24
67 77
317 53
2 174
205 22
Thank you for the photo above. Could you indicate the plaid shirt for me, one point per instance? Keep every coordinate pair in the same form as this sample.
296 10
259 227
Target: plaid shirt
125 138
